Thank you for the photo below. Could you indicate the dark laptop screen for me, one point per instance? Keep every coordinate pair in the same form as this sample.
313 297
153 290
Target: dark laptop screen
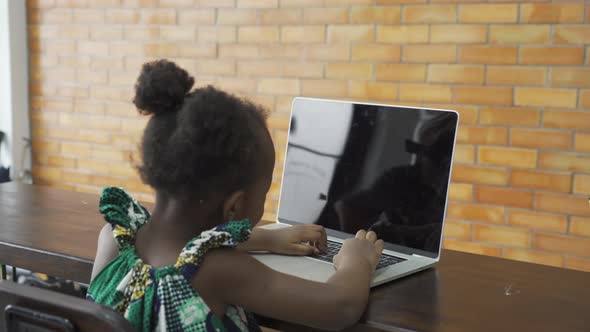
356 166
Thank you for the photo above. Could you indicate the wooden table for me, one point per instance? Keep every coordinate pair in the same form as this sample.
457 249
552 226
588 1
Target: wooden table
55 231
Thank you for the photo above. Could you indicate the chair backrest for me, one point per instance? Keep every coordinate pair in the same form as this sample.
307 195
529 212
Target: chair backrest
28 308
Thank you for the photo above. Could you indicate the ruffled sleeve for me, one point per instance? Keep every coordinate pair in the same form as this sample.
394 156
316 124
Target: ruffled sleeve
124 213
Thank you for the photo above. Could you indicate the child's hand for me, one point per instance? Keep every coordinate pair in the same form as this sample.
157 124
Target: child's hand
363 248
298 240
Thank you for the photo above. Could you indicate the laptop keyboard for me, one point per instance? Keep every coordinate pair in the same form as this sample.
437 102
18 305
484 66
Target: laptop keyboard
334 248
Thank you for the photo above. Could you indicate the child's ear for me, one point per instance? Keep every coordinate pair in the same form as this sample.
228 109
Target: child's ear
233 207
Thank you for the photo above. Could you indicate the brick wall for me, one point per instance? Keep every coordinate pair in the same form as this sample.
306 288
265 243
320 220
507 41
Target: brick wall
518 72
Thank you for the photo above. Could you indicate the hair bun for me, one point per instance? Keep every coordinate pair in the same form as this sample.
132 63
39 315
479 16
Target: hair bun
161 87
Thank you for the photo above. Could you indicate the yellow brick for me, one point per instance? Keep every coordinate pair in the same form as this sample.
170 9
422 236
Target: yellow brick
328 52
545 97
566 120
221 34
566 34
197 50
575 262
517 34
570 77
303 34
548 139
472 247
279 86
541 180
122 16
325 15
375 15
237 16
502 235
461 192
488 54
104 3
483 95
482 135
277 52
161 49
496 13
552 13
580 226
373 90
349 71
75 61
142 33
281 16
464 154
303 70
104 33
404 34
351 33
107 154
59 46
536 220
324 88
91 76
483 213
175 3
258 34
86 106
216 3
236 85
376 52
516 75
457 230
425 93
86 16
478 174
301 3
159 16
460 33
258 69
73 91
565 161
430 14
563 244
523 158
178 33
537 257
582 142
430 53
93 48
455 74
401 72
60 16
75 177
258 3
582 184
76 149
215 67
541 55
46 173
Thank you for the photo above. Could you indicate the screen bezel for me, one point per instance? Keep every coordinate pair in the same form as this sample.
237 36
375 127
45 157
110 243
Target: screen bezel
343 235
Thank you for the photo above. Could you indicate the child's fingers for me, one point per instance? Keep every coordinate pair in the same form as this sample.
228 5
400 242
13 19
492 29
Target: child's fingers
361 234
302 249
379 246
311 236
371 236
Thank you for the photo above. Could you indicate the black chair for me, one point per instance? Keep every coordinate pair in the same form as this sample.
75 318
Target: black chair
25 308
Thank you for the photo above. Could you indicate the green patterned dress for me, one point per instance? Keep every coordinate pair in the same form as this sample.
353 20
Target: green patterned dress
162 299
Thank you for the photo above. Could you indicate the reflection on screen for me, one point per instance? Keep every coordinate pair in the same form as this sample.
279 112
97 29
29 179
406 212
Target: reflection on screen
353 166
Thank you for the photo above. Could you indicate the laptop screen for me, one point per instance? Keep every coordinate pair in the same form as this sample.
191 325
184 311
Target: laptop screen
355 166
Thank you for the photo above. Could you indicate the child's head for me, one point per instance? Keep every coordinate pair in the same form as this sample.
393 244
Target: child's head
204 148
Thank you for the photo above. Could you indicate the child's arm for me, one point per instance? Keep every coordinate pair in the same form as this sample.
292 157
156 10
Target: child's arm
106 250
336 304
287 240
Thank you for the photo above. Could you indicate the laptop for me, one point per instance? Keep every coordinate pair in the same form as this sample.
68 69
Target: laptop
351 166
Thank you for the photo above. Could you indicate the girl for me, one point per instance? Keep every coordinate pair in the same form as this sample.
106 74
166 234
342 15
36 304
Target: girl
185 267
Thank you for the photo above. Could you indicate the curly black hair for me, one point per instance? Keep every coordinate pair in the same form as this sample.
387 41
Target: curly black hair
197 142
